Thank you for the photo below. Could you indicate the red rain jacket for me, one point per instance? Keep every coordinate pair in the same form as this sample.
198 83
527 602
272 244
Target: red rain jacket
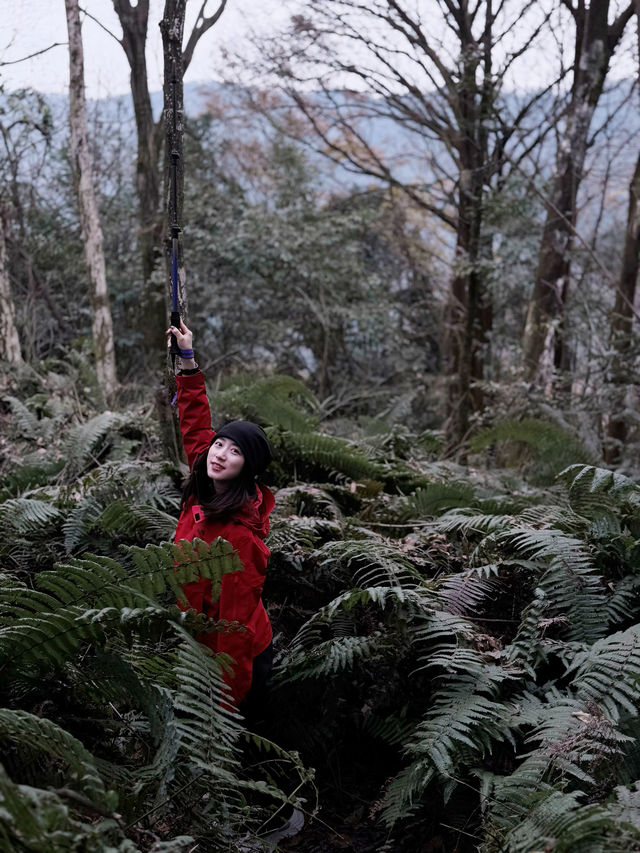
240 593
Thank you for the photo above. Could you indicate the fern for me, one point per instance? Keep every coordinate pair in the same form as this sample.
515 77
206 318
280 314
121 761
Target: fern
94 592
207 728
608 672
331 657
26 422
438 498
22 517
37 733
371 563
37 819
455 721
335 456
562 822
551 448
83 443
274 401
307 501
463 593
598 492
570 581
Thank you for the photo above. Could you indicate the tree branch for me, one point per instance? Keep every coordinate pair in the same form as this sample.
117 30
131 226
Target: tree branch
37 53
200 27
100 24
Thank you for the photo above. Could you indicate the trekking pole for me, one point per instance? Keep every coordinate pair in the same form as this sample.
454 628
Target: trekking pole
174 227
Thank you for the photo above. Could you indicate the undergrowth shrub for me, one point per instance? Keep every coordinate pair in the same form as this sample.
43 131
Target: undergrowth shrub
457 648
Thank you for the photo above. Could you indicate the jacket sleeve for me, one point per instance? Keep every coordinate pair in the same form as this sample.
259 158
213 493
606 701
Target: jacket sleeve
194 414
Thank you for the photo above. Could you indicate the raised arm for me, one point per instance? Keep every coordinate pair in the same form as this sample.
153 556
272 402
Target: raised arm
193 406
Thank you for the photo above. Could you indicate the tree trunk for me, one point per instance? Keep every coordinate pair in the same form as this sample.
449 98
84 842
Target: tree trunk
9 340
153 317
595 44
102 325
134 20
623 311
470 314
172 27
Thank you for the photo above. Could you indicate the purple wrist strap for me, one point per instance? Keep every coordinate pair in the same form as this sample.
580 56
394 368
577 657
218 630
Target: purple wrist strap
186 353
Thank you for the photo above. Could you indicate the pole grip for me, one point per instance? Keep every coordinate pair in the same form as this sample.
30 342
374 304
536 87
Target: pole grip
174 349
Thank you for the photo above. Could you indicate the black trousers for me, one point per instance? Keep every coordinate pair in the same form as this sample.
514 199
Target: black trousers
253 705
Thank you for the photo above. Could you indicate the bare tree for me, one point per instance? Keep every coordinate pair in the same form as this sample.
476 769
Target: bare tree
623 312
102 324
437 73
9 339
25 133
595 43
134 20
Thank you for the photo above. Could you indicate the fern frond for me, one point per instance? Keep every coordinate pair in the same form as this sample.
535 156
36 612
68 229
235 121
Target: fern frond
96 591
457 721
26 421
207 726
470 521
550 448
596 492
372 563
22 517
36 819
275 401
126 518
330 658
571 583
622 604
80 445
438 498
336 456
463 593
38 733
554 815
307 500
609 671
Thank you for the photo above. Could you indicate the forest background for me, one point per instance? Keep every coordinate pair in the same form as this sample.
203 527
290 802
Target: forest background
409 248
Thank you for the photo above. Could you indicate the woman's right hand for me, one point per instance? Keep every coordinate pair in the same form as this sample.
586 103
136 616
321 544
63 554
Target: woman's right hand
184 336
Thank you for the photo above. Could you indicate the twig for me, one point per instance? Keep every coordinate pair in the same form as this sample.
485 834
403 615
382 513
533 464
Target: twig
86 803
37 53
164 802
100 24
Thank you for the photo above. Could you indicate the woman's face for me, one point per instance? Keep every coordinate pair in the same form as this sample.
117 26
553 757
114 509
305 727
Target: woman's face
225 460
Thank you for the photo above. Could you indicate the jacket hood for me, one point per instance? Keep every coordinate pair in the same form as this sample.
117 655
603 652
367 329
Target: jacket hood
255 514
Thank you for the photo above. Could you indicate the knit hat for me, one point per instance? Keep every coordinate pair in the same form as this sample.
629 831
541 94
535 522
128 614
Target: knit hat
252 441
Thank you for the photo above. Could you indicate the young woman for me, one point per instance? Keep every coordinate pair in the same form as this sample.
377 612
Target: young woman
221 498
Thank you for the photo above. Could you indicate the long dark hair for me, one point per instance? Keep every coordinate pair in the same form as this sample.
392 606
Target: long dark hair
221 504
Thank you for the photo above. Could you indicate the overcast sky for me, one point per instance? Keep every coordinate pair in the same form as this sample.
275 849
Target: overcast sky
29 26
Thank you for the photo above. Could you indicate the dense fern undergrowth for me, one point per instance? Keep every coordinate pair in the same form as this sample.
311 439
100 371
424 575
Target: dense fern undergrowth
457 648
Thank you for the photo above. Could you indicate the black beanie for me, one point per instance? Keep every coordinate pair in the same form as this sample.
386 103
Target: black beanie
251 440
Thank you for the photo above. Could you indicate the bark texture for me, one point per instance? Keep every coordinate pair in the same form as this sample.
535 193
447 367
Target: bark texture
623 313
596 40
102 324
9 340
134 20
172 29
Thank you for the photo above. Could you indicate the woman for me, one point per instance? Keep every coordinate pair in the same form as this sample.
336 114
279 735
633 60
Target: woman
221 498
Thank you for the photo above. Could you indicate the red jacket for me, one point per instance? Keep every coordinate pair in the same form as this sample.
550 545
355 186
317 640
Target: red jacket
240 592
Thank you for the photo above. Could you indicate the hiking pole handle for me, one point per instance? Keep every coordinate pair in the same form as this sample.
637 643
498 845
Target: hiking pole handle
174 349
